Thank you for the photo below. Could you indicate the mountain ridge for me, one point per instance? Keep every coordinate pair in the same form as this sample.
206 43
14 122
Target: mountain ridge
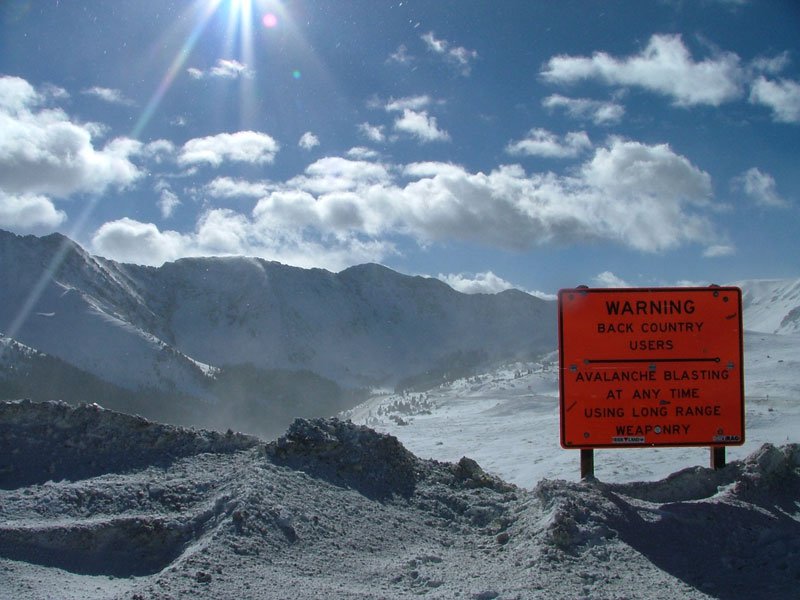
175 328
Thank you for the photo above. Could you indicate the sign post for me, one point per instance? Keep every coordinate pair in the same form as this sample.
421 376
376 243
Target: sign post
646 367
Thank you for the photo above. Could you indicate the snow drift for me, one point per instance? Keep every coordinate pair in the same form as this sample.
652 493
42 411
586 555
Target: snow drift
99 504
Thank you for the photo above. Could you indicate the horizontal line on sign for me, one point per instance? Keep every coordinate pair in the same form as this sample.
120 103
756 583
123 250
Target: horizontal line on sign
647 360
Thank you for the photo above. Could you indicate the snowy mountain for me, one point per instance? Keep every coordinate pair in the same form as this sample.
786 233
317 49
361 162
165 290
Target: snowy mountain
771 305
333 509
367 325
61 301
252 341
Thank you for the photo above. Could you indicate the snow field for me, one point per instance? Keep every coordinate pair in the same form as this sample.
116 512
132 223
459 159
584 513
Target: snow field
508 420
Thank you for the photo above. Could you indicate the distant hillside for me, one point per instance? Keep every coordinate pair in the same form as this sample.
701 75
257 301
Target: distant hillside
771 305
26 373
249 337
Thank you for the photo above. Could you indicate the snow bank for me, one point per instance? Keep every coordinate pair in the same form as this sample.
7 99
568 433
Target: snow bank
54 440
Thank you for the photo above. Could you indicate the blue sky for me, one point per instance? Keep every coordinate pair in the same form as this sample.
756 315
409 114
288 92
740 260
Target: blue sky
530 144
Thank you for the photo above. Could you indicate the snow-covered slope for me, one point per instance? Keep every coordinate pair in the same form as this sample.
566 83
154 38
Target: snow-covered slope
29 373
61 301
771 305
336 510
367 325
508 419
140 326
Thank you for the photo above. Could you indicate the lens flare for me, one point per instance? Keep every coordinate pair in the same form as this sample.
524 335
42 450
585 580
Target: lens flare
296 74
269 20
174 68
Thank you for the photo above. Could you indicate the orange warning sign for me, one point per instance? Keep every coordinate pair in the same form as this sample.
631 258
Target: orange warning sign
651 367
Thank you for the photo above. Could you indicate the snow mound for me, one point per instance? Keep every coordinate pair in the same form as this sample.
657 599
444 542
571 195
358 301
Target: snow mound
53 440
376 464
732 533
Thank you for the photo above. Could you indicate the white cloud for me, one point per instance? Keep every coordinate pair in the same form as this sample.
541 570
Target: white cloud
760 187
664 66
337 174
242 146
224 232
421 126
689 283
27 212
159 150
130 241
457 57
223 69
226 187
43 152
719 250
408 103
479 283
53 92
230 69
632 169
342 211
401 56
782 96
434 45
17 95
607 279
168 201
541 142
109 95
308 141
414 120
599 113
644 197
770 64
543 295
362 153
372 132
421 170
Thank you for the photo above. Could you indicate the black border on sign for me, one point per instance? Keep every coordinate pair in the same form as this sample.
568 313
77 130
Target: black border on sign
562 401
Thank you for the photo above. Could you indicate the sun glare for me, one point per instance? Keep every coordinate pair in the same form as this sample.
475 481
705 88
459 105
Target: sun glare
239 16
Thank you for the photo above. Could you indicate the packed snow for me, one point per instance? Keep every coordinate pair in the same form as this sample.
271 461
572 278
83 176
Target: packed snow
333 509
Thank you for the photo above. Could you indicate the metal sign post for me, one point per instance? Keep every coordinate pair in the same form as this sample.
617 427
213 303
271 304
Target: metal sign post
717 457
587 463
